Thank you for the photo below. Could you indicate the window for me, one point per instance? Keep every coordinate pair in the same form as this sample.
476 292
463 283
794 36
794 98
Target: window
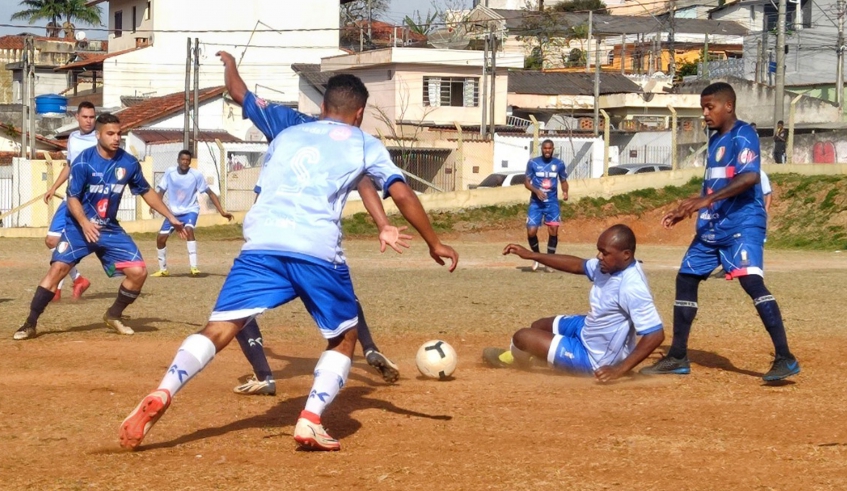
645 169
119 23
148 11
450 91
134 18
803 10
518 180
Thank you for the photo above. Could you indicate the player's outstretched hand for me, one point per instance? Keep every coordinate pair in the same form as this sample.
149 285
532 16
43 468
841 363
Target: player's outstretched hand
91 231
520 251
180 228
444 251
48 196
227 215
608 373
226 58
393 237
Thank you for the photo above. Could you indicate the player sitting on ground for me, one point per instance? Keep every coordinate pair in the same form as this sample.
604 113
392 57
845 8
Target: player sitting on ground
293 249
96 185
79 140
604 341
183 185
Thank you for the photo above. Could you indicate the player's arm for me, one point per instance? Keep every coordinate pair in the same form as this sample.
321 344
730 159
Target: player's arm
217 202
645 346
561 262
768 199
234 83
153 199
410 207
389 235
63 176
528 183
565 188
740 183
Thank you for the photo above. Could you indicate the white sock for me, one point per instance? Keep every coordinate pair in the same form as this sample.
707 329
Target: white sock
162 256
521 357
195 353
61 282
330 376
74 273
192 253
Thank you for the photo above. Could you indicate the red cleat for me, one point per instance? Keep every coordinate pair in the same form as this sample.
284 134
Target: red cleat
143 417
58 295
80 285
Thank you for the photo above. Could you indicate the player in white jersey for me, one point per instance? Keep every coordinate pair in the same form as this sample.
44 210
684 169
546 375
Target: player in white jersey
293 249
183 185
81 139
603 342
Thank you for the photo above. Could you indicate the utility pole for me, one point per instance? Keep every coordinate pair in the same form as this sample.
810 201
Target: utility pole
671 43
588 43
24 96
779 94
758 76
839 69
196 95
623 54
706 57
185 121
31 69
493 71
370 23
596 89
483 129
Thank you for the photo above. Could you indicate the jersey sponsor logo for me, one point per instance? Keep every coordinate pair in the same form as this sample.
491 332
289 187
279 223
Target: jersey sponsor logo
553 168
746 156
546 184
720 153
263 104
103 207
120 173
62 247
302 177
340 134
106 188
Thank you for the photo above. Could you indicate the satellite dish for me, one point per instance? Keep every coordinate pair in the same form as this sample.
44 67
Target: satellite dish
450 38
79 36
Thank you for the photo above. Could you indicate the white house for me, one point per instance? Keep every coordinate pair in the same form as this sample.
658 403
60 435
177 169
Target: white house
264 35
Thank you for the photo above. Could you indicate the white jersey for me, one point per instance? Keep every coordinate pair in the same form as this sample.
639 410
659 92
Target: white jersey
621 308
765 183
308 172
182 190
78 142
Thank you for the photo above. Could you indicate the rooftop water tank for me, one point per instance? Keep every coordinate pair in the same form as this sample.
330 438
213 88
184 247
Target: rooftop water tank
51 104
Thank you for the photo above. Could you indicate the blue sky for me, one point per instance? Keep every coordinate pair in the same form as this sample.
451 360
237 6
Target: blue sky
397 11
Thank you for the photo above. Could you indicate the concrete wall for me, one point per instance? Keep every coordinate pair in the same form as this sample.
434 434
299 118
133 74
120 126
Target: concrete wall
127 39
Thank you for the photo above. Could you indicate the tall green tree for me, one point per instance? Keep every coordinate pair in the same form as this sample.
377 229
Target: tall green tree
36 10
597 6
78 10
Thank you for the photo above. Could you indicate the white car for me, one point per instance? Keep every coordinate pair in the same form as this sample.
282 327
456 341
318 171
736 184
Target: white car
626 169
501 179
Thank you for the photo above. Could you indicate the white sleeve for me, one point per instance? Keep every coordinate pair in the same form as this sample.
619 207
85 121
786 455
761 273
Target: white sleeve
163 182
202 187
637 301
378 165
590 266
765 183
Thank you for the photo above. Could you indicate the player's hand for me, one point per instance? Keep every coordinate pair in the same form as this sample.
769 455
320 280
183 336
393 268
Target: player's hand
685 209
179 227
541 195
226 58
608 373
520 251
227 215
671 219
91 231
564 195
48 196
441 251
393 237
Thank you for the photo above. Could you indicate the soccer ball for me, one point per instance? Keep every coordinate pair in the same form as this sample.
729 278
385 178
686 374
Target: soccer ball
436 359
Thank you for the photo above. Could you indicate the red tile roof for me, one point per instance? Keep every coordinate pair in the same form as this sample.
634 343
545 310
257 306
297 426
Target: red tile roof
6 157
16 41
88 59
151 135
157 108
60 145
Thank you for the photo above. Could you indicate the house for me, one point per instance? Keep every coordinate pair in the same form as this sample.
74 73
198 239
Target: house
49 53
153 35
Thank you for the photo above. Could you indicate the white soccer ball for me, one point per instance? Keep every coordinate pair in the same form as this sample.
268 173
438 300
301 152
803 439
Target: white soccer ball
436 359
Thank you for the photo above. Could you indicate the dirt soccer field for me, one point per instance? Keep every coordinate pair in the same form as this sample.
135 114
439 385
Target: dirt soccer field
63 395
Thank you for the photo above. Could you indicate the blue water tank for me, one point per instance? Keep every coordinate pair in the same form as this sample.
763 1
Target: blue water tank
51 103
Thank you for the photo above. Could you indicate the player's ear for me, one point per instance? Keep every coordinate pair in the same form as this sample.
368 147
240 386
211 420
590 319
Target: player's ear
323 110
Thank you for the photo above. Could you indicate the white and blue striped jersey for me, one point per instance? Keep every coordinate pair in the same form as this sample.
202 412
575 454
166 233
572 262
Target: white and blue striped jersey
621 308
182 190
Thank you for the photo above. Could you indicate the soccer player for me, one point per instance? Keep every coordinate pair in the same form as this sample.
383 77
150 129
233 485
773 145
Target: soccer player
541 175
293 249
183 185
730 231
603 342
95 186
79 140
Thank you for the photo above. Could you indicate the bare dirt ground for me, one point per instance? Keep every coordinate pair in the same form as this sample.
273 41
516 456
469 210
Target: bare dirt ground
63 395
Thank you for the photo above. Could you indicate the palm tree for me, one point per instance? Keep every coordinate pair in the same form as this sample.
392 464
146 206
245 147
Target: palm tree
77 9
35 10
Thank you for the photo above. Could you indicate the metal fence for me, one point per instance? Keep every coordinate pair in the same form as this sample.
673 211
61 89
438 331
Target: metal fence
426 166
646 155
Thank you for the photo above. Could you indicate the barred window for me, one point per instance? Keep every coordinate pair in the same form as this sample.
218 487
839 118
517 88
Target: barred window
451 91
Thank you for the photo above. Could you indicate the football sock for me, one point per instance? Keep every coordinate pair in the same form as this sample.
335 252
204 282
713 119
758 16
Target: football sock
40 300
769 312
330 376
192 253
552 243
74 273
684 312
533 243
250 340
195 353
125 297
517 355
364 332
162 256
61 282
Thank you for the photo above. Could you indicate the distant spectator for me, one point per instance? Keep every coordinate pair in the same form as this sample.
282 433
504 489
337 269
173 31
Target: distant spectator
779 137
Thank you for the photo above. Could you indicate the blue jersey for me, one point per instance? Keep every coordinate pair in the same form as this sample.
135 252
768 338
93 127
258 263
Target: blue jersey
99 183
271 118
730 154
545 175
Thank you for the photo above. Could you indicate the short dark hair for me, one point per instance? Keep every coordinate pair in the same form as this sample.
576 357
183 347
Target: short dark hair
623 237
780 122
85 105
185 152
720 89
545 142
345 93
107 118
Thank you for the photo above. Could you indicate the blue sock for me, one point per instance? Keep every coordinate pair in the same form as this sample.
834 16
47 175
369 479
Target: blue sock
684 312
250 340
769 312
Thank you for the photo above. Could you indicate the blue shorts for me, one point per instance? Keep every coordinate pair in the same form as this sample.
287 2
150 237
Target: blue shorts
115 248
543 212
742 255
567 351
259 281
59 220
189 219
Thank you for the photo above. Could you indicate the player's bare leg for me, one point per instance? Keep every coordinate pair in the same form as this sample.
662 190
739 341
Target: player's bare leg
81 284
43 295
528 345
127 293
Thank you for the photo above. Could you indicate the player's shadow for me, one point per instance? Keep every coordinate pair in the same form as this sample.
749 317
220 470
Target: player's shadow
4 300
339 419
714 360
199 275
141 324
305 366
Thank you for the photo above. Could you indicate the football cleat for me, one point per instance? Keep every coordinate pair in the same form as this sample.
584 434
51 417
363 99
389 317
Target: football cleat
194 272
80 285
668 365
26 331
118 325
310 434
255 387
57 296
389 371
162 273
535 266
143 417
494 357
782 368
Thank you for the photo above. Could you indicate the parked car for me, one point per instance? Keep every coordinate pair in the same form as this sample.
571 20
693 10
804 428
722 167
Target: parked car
501 179
626 169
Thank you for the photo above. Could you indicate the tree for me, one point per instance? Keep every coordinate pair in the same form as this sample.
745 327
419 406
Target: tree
78 10
597 6
54 10
542 36
357 10
421 25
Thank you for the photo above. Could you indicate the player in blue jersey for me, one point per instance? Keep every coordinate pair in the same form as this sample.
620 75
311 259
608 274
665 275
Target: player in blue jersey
293 249
731 226
183 185
79 140
542 174
97 181
603 342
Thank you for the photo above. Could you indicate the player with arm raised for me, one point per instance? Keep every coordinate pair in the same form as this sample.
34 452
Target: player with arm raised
95 187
